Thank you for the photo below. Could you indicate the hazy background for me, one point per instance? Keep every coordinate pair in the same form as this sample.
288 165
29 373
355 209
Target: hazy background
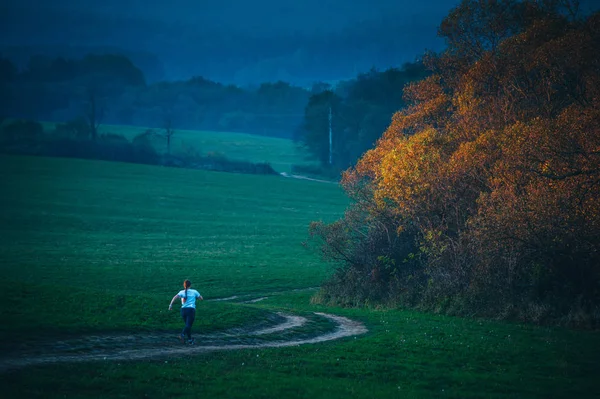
230 41
274 68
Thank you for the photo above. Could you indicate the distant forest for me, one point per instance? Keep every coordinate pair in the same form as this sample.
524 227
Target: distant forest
111 89
59 89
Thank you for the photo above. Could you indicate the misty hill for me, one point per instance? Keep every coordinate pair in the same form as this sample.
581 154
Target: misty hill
232 41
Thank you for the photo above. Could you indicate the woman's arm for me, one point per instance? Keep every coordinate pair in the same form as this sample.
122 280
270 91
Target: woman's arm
173 300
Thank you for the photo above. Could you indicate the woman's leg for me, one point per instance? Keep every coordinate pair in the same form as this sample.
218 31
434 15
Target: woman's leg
184 314
188 315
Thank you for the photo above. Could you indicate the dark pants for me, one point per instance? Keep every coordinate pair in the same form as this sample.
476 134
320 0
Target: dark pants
188 315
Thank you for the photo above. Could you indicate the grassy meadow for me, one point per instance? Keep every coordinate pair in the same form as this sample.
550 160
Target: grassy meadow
280 153
91 247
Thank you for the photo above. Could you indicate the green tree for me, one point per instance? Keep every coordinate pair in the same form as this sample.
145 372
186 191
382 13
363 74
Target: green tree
361 110
8 71
314 133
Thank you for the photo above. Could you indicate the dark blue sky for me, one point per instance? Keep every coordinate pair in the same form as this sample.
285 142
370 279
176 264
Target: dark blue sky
244 15
238 41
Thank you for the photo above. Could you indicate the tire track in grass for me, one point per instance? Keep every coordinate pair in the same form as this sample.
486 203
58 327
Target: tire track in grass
229 298
118 347
262 298
255 298
300 177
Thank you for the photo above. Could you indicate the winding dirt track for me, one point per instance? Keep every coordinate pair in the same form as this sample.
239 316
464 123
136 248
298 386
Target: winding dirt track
119 347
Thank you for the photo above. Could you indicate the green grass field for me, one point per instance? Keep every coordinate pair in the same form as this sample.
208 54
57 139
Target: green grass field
95 247
280 153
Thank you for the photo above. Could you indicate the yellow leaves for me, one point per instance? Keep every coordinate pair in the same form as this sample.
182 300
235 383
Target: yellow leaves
498 162
406 172
467 99
424 90
545 167
507 145
475 157
400 229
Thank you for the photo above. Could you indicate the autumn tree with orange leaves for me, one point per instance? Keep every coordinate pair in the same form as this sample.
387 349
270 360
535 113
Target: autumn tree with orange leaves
482 196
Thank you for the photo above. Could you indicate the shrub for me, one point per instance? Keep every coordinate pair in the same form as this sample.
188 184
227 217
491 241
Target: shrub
494 171
76 129
22 132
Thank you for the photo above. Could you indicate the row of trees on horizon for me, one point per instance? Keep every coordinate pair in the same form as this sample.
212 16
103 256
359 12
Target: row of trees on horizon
59 89
110 89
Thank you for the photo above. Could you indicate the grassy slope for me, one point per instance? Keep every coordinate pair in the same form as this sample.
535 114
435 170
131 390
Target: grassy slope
280 153
71 228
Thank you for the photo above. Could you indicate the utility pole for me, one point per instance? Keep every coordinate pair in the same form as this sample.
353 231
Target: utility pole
330 139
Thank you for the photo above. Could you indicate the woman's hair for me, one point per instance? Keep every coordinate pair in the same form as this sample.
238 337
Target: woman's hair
187 284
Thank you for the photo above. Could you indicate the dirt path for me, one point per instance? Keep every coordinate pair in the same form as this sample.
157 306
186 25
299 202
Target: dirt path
165 345
284 174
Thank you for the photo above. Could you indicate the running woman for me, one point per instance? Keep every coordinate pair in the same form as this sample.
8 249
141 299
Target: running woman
188 310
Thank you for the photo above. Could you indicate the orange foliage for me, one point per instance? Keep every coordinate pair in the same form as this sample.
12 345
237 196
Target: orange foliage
500 151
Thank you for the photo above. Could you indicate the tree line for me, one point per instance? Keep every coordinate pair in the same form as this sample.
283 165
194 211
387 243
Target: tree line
355 112
482 196
60 89
74 140
109 89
